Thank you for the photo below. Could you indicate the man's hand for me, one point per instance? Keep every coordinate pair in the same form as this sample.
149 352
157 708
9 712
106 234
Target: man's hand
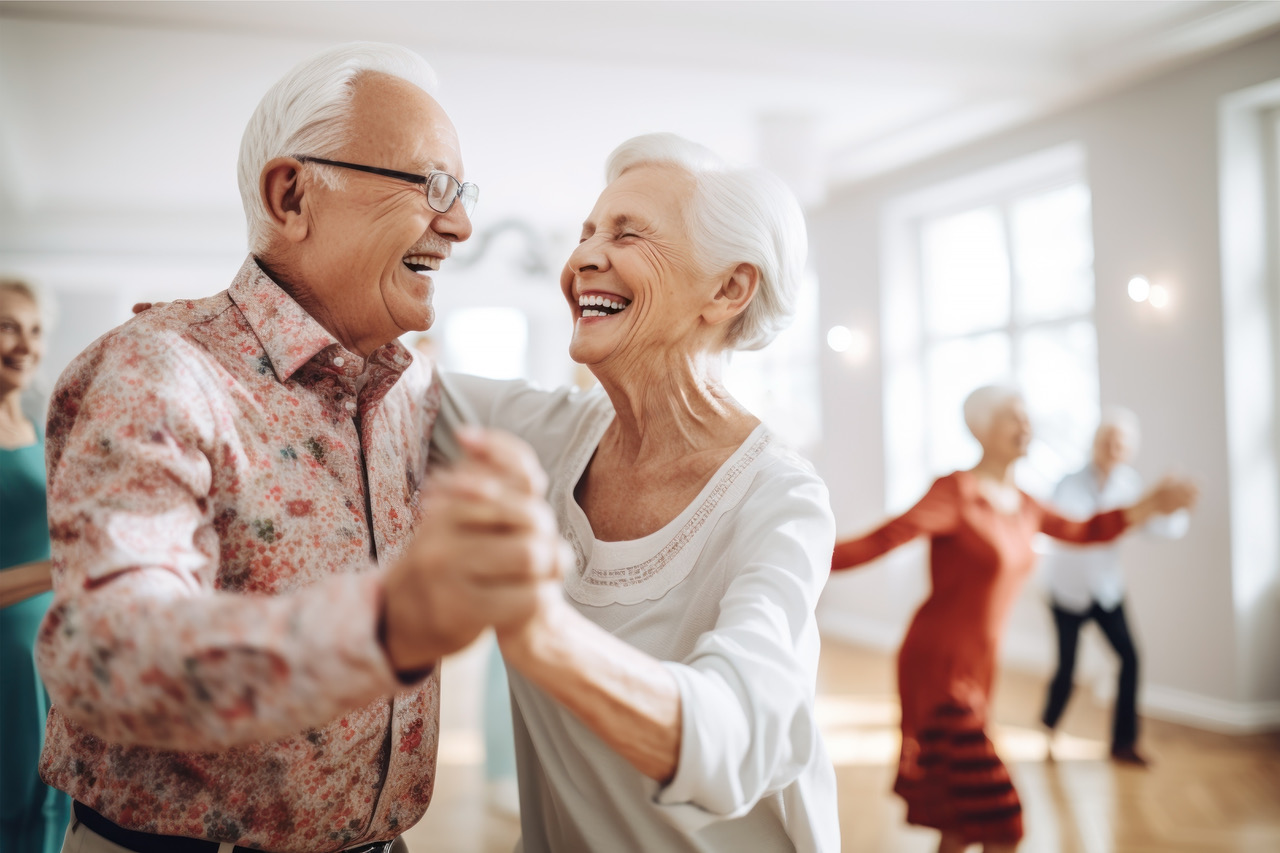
487 543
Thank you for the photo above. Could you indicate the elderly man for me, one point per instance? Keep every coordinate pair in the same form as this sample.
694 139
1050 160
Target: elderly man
1087 583
242 644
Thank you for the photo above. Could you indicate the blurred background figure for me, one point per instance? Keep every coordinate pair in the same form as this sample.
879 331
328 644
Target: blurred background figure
1087 583
32 815
981 527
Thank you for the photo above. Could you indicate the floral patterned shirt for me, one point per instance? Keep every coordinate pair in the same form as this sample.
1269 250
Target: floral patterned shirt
224 479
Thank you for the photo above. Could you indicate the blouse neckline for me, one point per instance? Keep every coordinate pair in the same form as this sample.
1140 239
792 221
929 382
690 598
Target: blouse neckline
634 570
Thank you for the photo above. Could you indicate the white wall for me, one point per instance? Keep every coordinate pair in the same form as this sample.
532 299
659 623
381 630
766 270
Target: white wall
1153 167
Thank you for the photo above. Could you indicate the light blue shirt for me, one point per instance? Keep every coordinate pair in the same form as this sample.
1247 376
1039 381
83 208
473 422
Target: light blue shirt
1080 575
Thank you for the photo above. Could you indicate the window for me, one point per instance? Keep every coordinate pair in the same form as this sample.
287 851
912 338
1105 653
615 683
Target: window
990 280
779 384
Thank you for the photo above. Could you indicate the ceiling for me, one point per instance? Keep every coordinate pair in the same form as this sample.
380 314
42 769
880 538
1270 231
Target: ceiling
151 97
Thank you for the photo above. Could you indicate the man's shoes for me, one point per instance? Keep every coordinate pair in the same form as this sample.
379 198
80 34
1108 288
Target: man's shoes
1130 756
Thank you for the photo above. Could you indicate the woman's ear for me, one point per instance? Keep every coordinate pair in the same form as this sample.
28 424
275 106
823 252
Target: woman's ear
283 192
736 292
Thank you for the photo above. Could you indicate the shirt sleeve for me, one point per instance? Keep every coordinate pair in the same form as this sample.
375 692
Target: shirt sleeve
936 514
139 646
1102 527
545 419
747 690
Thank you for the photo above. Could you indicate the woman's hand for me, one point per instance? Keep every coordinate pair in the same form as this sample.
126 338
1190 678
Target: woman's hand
1169 495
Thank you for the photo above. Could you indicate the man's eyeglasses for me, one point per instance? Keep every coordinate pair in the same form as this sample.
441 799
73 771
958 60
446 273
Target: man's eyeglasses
440 188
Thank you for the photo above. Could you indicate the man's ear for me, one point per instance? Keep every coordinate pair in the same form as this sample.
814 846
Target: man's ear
283 192
733 297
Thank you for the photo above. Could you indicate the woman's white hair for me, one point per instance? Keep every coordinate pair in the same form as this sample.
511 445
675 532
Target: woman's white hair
738 216
306 112
1118 417
981 406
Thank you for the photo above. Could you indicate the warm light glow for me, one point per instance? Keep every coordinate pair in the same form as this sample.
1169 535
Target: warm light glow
1159 296
839 338
1139 289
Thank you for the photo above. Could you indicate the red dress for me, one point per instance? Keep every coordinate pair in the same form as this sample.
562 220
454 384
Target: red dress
948 771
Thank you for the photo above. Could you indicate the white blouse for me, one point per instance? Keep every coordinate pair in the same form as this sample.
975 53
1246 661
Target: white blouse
724 595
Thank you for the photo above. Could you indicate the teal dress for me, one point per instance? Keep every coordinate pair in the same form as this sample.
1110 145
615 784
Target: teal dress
33 816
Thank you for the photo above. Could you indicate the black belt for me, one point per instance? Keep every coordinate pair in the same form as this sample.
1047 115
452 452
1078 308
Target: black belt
147 842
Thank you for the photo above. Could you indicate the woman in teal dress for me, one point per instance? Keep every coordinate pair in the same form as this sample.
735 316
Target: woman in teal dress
33 816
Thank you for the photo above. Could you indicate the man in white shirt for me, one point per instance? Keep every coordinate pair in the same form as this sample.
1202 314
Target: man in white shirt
1087 582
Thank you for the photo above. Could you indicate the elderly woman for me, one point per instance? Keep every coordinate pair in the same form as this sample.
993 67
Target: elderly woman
666 702
981 527
32 815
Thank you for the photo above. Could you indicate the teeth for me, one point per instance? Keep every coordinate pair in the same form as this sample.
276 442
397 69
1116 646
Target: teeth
427 261
603 301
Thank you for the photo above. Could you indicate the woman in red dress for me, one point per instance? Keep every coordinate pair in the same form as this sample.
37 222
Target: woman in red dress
980 527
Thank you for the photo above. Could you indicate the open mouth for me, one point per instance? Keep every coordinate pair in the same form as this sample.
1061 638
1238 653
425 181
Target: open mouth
598 305
422 264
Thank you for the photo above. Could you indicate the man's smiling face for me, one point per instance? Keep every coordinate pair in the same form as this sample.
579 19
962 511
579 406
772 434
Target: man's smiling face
374 240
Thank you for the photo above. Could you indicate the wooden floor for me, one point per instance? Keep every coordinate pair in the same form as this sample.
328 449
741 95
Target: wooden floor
1206 793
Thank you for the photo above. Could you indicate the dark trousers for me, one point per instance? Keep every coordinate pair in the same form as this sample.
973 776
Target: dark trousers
1124 721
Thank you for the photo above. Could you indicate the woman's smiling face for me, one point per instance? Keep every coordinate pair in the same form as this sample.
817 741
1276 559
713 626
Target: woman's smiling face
633 284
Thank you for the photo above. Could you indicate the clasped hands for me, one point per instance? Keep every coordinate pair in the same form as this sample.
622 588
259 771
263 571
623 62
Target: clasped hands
487 552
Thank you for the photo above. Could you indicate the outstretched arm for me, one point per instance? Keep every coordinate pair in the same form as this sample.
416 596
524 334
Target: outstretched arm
936 513
1169 495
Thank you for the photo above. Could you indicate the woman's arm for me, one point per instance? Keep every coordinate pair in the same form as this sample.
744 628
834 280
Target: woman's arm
733 720
18 583
1169 495
625 696
936 513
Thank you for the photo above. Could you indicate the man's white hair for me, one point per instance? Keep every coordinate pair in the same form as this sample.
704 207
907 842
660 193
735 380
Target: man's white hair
738 216
1118 417
981 406
306 112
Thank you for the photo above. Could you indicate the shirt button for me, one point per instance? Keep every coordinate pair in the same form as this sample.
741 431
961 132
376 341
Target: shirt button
351 405
339 361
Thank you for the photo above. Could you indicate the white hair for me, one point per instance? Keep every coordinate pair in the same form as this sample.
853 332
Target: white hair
306 112
981 406
1122 419
737 216
45 308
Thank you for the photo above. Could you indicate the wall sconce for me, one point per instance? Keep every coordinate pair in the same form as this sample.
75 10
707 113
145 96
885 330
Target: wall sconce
854 344
1139 288
1142 290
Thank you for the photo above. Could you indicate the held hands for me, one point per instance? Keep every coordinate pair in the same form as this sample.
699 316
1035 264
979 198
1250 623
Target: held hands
1169 495
484 553
1172 494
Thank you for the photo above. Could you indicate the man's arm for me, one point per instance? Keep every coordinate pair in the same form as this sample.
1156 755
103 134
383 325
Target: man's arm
141 646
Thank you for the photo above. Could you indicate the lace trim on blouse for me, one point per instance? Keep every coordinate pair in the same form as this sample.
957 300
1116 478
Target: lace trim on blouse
596 582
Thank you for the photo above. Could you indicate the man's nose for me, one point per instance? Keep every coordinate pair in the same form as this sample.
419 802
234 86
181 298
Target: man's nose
453 225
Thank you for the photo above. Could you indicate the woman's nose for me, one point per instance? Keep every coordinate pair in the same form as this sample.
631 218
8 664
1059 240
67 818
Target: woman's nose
588 257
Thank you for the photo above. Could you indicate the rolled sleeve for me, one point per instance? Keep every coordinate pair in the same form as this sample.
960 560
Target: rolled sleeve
748 727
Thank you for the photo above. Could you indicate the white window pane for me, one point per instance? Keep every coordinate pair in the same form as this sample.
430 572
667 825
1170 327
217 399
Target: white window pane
1058 374
954 369
966 273
1053 254
490 342
779 384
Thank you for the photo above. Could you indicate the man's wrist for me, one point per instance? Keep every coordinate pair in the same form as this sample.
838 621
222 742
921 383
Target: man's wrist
407 675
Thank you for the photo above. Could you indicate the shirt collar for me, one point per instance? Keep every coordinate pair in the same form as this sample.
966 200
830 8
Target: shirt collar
290 336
